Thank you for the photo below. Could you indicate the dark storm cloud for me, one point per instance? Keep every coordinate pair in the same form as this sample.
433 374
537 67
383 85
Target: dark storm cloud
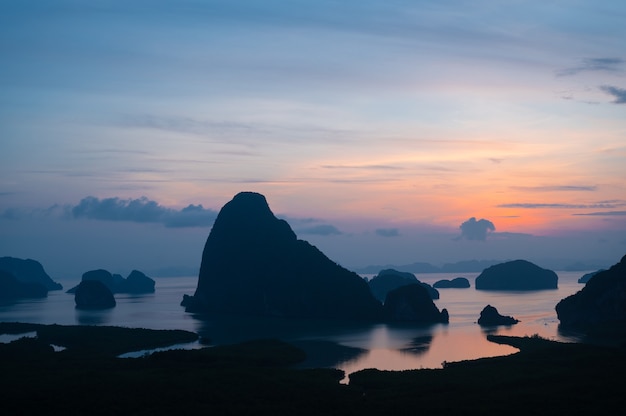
387 232
593 64
476 230
618 93
322 229
142 210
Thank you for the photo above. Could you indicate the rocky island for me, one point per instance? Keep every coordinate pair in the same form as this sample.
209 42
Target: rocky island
456 283
389 279
135 283
93 294
12 289
516 275
253 264
412 303
28 271
602 302
490 316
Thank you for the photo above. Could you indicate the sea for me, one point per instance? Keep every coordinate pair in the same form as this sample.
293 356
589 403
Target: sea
349 346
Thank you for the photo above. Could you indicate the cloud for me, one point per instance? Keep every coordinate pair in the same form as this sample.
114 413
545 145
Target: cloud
556 188
56 210
142 210
618 93
387 232
531 205
605 213
322 229
593 64
368 167
476 230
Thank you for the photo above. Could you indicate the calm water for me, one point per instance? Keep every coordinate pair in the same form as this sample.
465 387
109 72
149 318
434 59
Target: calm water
346 345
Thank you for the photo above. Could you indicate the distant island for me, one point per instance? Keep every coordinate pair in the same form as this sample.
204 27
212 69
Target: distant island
136 282
94 295
389 279
475 266
28 271
516 275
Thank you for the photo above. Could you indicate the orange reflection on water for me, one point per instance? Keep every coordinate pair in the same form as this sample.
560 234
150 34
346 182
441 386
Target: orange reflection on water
430 351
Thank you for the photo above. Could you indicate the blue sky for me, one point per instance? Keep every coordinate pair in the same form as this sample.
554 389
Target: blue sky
378 129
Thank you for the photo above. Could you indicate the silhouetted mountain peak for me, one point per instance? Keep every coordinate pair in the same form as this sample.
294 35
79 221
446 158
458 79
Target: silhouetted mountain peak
254 264
248 219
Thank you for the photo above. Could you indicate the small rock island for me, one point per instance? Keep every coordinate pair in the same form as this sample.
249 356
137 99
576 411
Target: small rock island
389 279
93 294
412 303
456 283
490 316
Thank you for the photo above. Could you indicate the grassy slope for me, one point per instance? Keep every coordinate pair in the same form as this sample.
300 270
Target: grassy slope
256 378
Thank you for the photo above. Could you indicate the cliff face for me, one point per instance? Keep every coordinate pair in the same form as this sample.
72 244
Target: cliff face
601 301
28 271
254 264
12 289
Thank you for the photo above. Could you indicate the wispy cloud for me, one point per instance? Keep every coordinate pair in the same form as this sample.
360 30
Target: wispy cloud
187 125
367 167
532 205
593 64
387 232
142 210
556 188
604 214
506 234
322 229
618 93
22 213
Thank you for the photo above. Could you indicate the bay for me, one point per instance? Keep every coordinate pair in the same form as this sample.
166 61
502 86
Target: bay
349 346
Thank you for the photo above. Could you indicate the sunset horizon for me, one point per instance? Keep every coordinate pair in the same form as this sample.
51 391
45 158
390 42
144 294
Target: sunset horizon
383 133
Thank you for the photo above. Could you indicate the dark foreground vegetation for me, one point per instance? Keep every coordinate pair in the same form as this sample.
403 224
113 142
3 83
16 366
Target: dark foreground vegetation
259 377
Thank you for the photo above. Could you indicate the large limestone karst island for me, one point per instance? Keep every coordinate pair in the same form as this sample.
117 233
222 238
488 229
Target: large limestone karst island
601 302
516 275
253 264
28 271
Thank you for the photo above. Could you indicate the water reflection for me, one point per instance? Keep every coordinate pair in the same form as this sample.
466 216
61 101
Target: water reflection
419 345
494 329
93 317
327 354
347 345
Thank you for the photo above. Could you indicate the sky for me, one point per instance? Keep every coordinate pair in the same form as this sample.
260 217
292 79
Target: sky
384 132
